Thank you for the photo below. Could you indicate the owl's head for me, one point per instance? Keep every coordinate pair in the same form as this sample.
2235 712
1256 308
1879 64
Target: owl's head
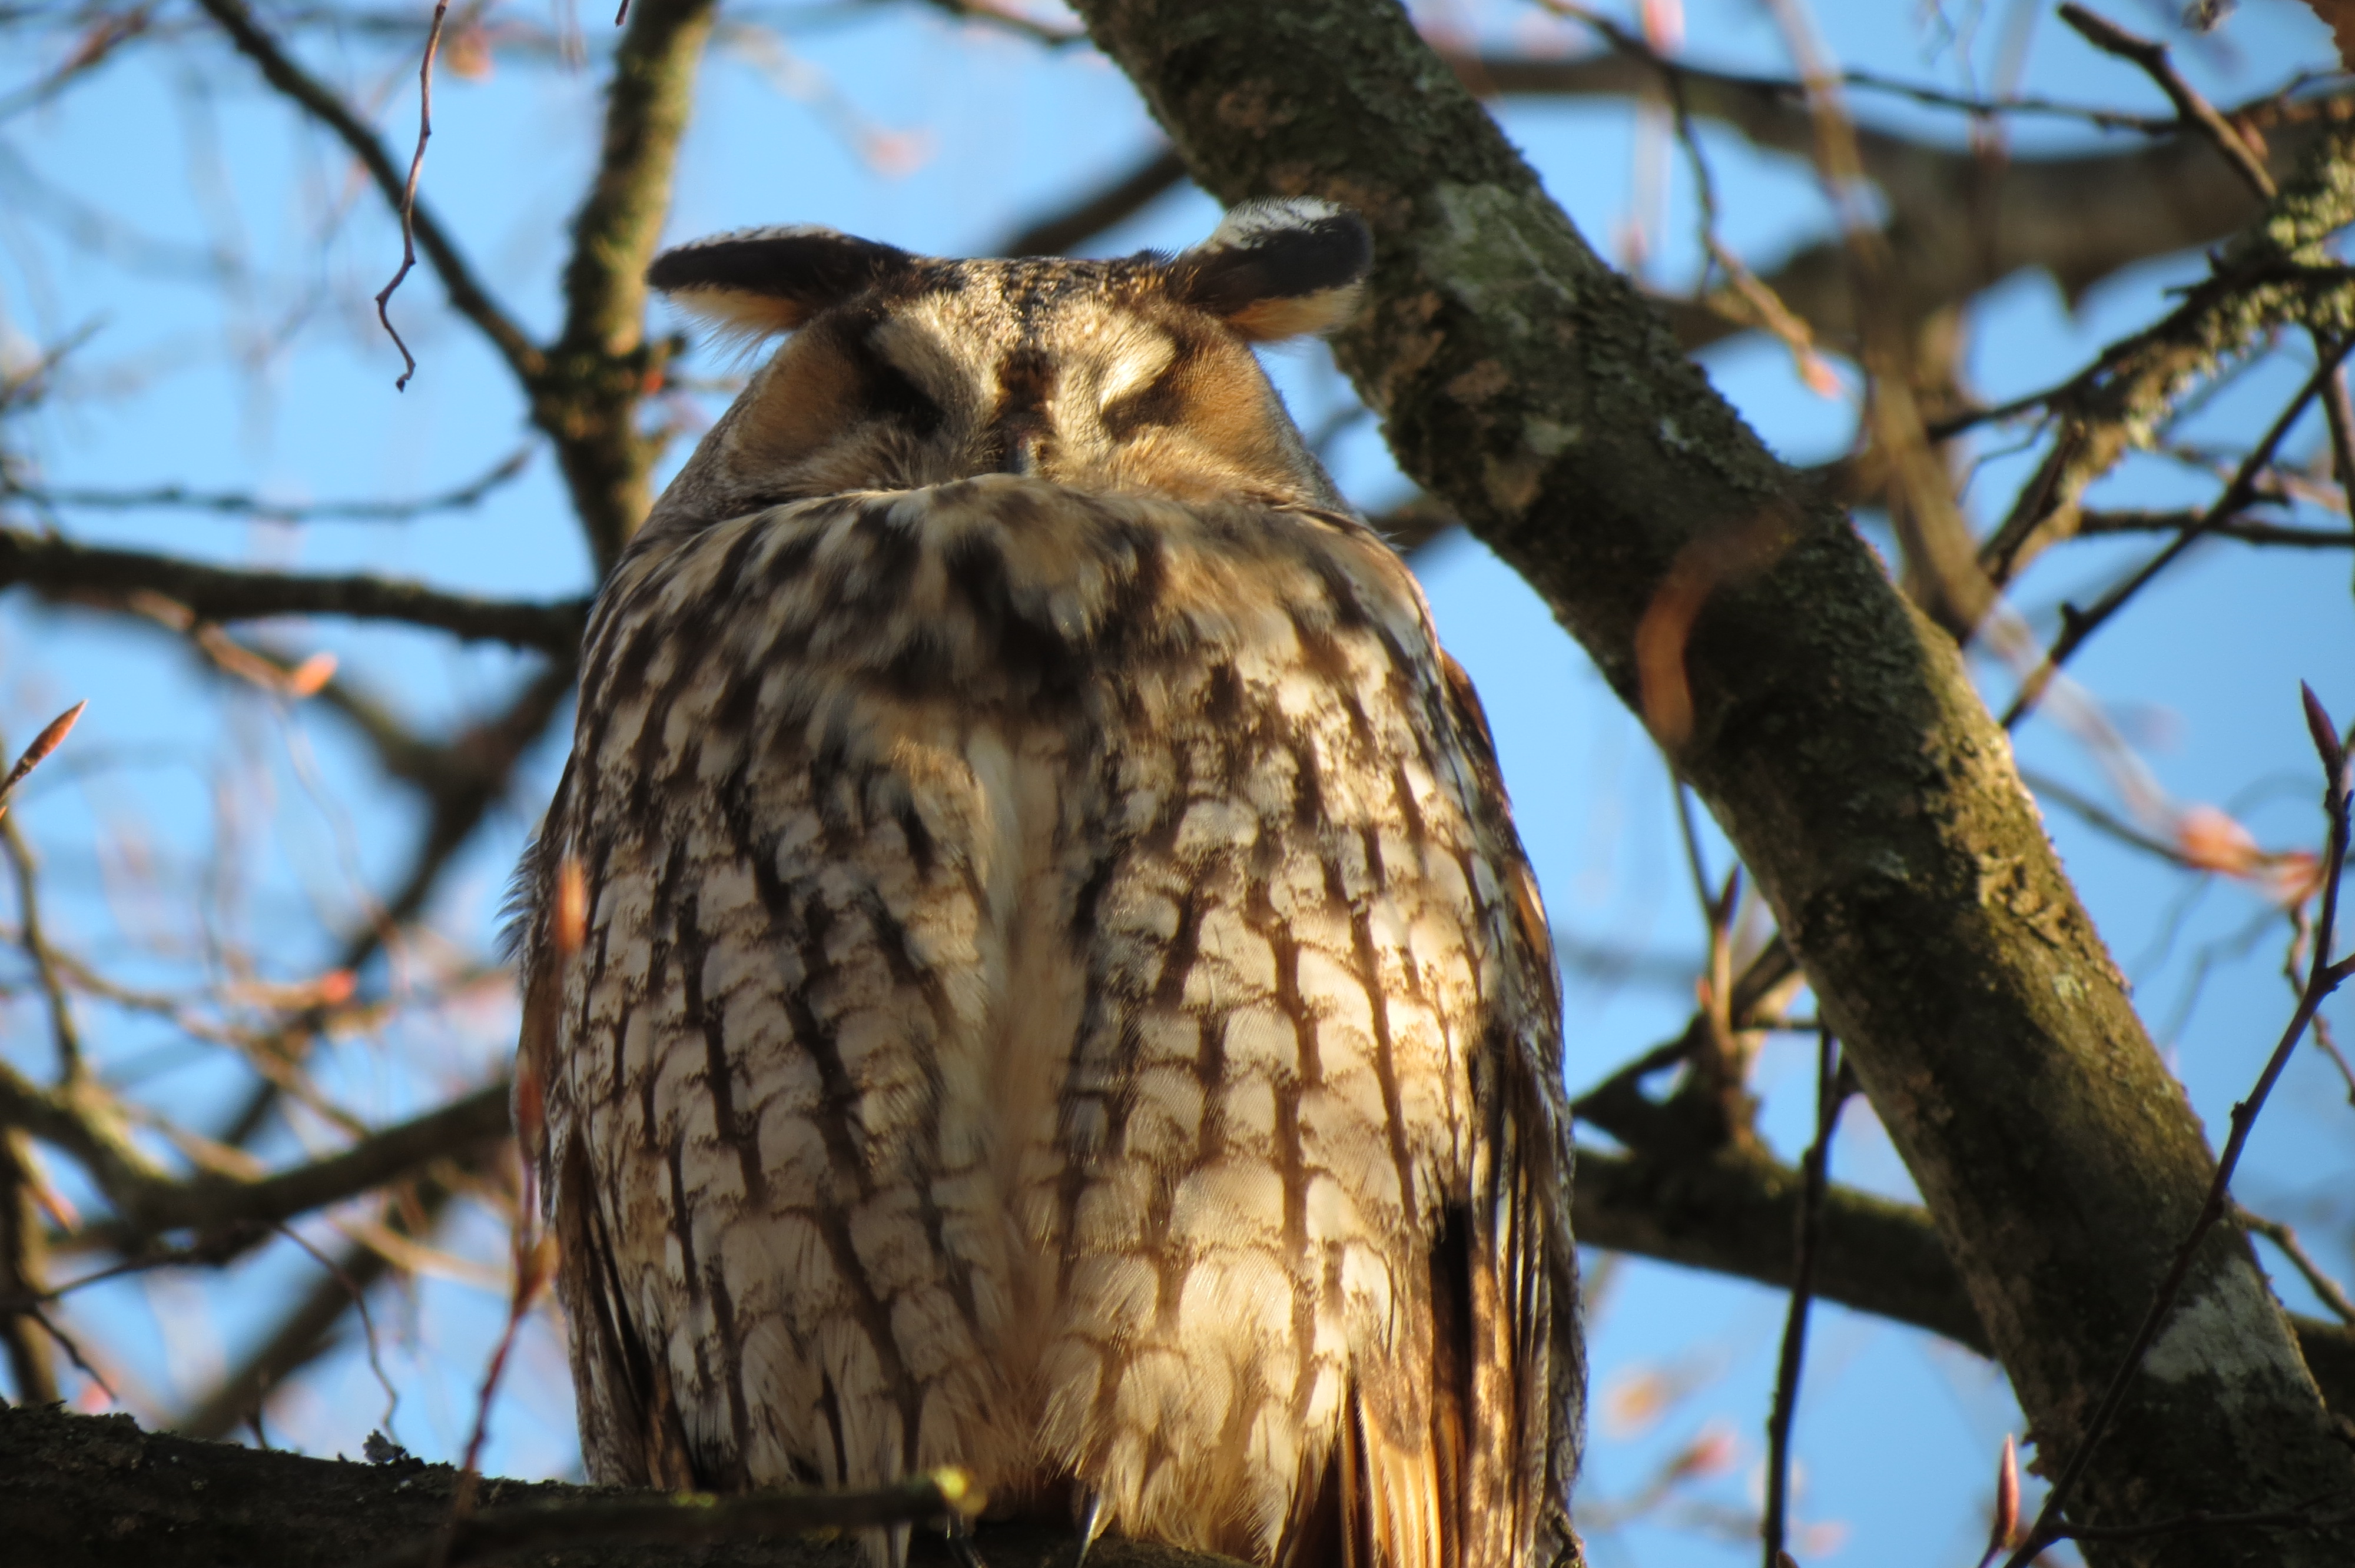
1132 376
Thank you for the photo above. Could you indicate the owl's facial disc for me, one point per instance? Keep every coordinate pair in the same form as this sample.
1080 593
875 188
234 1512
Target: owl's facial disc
1130 376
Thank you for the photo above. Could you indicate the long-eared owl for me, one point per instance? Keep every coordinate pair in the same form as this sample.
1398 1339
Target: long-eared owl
1049 981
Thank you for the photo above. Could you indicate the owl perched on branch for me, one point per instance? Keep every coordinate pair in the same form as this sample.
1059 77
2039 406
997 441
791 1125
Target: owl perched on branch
1029 966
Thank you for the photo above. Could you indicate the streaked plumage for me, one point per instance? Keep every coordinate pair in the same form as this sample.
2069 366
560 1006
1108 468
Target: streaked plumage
1060 992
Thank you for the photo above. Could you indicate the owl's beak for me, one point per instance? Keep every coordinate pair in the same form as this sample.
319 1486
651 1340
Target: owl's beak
1022 451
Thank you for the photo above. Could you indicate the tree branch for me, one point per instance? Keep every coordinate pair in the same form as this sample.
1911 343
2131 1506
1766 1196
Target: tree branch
222 1208
82 1491
2259 283
1833 731
61 568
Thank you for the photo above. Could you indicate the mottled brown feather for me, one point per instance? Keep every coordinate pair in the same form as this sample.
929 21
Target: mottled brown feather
1060 991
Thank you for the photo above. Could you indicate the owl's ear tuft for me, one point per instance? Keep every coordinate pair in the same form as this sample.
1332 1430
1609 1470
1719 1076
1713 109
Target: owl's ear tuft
756 282
1278 269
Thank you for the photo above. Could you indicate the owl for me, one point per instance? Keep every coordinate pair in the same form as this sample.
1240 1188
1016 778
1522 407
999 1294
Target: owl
1029 965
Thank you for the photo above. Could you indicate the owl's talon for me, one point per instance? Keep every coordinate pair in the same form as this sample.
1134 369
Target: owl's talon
961 1547
1091 1520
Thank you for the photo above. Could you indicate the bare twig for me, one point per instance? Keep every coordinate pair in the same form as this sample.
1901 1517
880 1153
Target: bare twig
2078 625
1830 1093
306 1330
2323 977
358 1294
2333 1293
408 193
2112 39
2248 532
23 865
147 1201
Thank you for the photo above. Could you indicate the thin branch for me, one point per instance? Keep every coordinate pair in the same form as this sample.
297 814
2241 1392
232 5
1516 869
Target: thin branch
2112 39
1831 1092
306 1330
239 504
2078 625
409 193
2271 275
61 569
468 297
2323 977
2333 1293
462 780
2091 524
63 1030
358 1294
214 1204
2101 817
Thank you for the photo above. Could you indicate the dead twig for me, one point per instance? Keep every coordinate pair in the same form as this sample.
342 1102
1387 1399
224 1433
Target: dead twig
467 294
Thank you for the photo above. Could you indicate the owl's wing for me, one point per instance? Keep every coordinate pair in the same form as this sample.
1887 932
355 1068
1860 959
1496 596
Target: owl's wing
1529 1365
1485 1482
631 1428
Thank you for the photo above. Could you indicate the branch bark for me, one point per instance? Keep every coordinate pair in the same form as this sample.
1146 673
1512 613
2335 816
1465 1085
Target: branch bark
1834 732
81 1492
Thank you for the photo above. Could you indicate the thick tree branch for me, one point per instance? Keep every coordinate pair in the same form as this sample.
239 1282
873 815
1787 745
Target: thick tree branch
1732 1213
602 365
1833 731
80 1491
61 568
